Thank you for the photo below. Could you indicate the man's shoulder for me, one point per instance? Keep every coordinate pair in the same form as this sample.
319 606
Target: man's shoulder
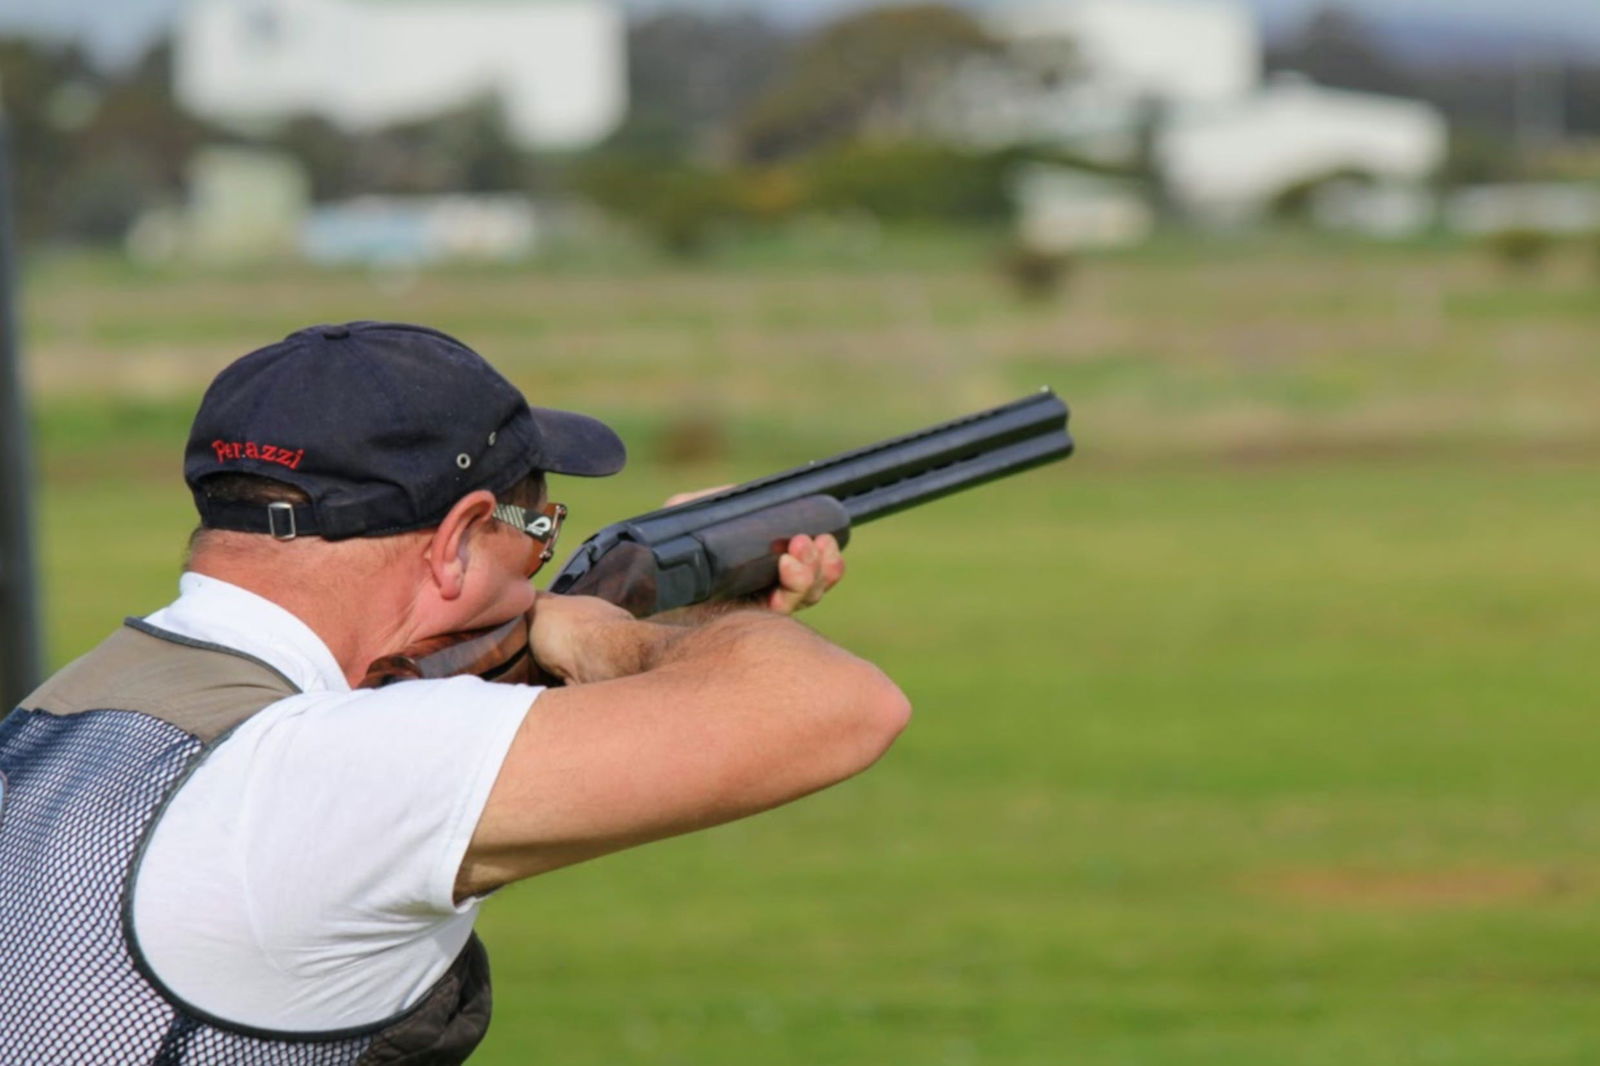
205 690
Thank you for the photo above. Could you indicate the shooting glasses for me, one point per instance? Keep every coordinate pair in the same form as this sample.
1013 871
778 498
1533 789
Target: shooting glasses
542 524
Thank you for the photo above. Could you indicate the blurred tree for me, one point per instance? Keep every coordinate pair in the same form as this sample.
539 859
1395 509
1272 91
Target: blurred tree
487 159
1337 48
32 78
139 114
1481 93
1477 90
101 196
677 206
93 149
463 150
688 74
769 194
1478 153
856 76
1581 98
1479 99
325 151
129 151
911 181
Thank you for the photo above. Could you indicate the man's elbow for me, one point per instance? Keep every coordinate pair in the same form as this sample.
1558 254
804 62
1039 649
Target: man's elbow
880 712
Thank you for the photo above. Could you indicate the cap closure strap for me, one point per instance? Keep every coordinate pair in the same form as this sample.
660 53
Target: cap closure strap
280 521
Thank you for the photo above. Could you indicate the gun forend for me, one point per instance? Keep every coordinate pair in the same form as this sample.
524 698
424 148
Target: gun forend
726 545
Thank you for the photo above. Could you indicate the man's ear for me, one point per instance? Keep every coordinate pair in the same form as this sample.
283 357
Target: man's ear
449 551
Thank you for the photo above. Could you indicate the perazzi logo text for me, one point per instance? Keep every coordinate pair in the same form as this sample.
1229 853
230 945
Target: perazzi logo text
249 449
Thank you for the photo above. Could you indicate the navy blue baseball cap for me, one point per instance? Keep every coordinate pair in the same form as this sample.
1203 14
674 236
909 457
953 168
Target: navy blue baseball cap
383 425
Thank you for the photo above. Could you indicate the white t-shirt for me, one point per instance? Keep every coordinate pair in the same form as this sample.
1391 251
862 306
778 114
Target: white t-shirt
302 879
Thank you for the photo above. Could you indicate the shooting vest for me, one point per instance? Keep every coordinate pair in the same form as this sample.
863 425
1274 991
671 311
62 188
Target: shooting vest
87 765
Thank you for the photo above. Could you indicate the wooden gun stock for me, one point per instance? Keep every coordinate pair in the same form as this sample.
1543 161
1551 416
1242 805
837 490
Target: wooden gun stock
501 653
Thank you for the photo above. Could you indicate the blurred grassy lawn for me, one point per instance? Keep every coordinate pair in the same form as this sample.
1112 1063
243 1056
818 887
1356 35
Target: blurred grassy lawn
1257 733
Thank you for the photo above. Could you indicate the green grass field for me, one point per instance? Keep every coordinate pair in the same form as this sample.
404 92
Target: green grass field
1258 733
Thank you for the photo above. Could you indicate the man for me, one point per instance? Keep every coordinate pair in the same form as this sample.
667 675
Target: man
215 849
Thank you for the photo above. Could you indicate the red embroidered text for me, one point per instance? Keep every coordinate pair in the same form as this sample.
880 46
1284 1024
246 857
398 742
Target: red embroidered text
249 449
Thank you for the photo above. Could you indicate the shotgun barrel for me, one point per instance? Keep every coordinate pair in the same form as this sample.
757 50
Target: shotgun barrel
727 545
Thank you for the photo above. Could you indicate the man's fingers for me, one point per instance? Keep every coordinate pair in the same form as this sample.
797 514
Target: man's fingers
832 560
793 580
808 568
816 570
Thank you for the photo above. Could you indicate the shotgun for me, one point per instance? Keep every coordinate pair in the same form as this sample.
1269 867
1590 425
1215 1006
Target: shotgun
726 546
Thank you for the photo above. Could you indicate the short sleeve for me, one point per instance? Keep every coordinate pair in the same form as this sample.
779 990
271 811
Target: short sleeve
318 847
384 785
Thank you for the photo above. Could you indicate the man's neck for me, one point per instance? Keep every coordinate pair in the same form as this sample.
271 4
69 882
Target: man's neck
359 618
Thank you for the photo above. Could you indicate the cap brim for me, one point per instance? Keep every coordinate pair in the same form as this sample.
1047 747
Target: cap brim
577 444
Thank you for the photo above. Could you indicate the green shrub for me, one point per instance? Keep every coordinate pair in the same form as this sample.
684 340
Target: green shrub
677 207
1522 248
910 182
1034 275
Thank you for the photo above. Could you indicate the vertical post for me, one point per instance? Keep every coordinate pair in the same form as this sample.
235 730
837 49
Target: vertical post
21 654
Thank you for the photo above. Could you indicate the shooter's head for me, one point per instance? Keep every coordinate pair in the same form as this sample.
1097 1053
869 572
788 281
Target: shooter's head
382 427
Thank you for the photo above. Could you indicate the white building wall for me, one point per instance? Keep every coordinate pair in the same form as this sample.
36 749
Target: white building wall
1180 51
1229 162
557 66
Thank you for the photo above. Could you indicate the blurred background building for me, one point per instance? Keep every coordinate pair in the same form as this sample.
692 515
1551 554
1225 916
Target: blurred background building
1177 86
420 131
554 68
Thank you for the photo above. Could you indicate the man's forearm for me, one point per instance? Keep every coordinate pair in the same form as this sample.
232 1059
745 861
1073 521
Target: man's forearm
613 646
625 648
699 614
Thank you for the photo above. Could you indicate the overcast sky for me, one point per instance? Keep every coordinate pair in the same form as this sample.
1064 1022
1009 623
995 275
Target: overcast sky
116 29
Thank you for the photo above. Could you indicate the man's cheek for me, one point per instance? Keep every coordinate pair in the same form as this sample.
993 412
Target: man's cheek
514 599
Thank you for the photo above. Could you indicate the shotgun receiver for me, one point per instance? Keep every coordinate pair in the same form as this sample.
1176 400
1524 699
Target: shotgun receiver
726 546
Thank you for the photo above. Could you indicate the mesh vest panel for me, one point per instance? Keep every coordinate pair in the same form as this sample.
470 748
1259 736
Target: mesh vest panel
79 792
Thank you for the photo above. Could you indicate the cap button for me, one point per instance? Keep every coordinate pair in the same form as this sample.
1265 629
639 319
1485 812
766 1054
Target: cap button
335 333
